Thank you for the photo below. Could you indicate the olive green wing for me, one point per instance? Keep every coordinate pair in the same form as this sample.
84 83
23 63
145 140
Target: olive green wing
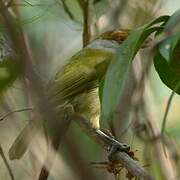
80 75
72 83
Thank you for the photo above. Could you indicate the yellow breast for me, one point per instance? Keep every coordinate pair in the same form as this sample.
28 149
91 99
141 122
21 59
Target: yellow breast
88 105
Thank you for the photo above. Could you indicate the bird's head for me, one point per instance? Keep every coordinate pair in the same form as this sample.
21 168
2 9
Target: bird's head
118 35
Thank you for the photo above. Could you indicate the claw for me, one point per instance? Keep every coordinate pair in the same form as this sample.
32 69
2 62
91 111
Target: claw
117 147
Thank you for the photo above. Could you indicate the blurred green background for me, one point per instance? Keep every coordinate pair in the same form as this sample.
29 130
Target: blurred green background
55 32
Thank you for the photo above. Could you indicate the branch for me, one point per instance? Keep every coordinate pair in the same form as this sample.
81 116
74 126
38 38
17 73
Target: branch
168 107
15 111
6 163
130 164
66 9
86 27
166 114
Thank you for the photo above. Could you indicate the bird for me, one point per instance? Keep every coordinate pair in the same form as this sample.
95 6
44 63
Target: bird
77 87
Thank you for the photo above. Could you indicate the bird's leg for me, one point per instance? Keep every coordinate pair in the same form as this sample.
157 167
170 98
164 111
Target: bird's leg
113 146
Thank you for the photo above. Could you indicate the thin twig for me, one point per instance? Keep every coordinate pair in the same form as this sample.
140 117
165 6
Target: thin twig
6 163
66 9
28 4
166 114
168 107
15 111
126 129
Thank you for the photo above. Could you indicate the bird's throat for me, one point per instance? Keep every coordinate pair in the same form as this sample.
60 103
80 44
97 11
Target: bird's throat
106 45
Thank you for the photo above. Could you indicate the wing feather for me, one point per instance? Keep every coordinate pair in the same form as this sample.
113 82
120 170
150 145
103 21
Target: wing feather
79 75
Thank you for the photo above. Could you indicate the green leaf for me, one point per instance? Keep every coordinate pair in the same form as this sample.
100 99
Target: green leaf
173 21
167 73
164 48
167 63
169 46
175 52
9 71
166 60
118 69
161 19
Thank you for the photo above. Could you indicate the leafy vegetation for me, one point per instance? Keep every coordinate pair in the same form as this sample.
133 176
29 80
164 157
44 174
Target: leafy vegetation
44 35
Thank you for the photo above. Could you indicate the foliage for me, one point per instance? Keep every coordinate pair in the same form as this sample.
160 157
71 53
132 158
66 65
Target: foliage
118 69
47 22
167 57
9 71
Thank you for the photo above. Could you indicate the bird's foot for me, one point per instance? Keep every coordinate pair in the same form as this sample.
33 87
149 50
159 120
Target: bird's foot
116 147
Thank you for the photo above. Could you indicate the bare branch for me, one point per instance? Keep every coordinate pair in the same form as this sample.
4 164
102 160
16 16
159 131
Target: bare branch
86 24
6 163
66 9
15 111
130 164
